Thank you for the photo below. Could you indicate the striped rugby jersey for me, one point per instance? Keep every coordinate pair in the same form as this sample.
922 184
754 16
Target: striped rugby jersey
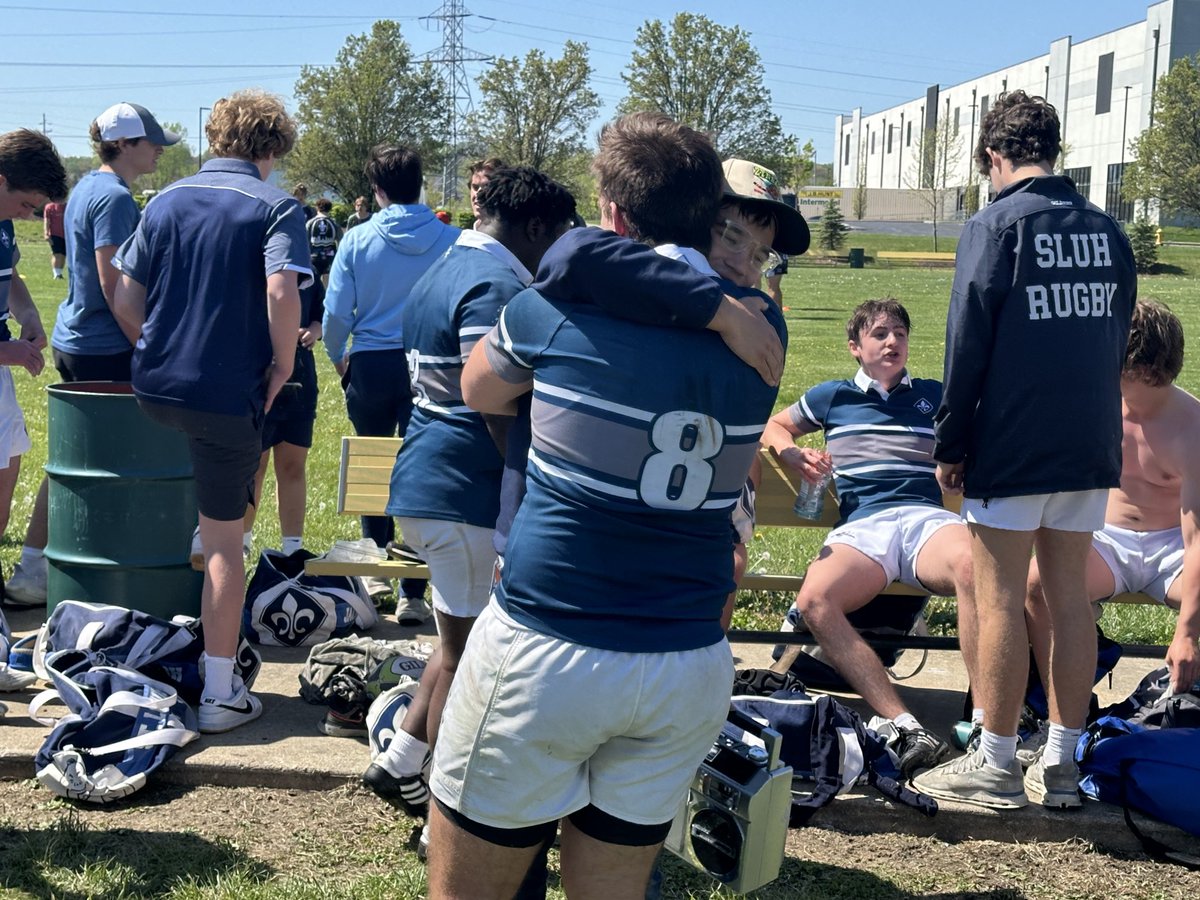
9 255
449 468
882 449
642 438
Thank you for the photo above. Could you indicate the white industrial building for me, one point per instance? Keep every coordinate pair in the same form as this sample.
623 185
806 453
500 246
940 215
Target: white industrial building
1101 86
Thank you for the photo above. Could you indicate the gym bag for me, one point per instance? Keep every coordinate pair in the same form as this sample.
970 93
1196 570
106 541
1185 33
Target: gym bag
164 651
1152 704
286 607
826 743
1152 771
121 727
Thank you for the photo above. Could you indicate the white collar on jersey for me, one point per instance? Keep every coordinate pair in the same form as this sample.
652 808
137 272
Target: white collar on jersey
867 383
481 241
692 257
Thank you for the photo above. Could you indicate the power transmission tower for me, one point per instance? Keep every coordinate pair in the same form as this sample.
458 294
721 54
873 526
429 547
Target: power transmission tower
453 57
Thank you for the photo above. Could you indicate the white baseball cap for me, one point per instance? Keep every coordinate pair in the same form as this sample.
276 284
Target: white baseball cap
128 120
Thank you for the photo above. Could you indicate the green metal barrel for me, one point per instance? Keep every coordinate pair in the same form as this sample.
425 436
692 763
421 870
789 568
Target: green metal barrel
122 504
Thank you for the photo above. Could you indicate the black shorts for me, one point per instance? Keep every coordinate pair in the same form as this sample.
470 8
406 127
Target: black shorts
321 263
378 393
58 245
225 451
294 411
88 367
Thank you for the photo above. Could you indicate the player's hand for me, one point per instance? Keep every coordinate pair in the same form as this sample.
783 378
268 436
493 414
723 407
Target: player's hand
276 378
950 477
307 338
35 334
24 354
1183 662
807 462
340 367
746 331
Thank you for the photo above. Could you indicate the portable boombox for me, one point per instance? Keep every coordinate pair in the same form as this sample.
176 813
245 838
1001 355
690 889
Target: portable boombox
734 821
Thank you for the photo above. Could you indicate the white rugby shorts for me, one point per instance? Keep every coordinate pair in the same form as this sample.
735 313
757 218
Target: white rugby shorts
1147 561
1066 511
536 728
461 560
14 438
894 537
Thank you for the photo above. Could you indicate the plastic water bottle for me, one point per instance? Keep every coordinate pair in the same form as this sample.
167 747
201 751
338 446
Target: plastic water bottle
810 497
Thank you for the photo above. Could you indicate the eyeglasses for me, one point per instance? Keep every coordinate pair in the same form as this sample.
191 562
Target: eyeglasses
737 239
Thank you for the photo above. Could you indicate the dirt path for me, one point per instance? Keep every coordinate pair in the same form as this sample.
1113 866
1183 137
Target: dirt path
280 839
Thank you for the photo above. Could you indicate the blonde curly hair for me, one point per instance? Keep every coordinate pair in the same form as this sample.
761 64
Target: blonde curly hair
250 124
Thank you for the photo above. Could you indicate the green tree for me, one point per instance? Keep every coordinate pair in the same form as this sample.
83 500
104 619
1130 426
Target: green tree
175 163
1166 168
1142 241
709 77
831 233
859 204
536 113
374 93
928 175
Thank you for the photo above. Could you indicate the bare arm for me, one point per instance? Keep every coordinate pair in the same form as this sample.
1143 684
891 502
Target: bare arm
25 352
129 307
484 390
780 436
1183 656
109 274
21 305
283 317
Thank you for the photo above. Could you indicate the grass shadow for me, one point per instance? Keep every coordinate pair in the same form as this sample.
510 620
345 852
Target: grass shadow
67 860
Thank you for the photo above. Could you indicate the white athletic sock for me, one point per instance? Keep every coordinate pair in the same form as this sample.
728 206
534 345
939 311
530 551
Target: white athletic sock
906 720
1060 744
291 545
977 715
57 271
404 755
998 750
218 677
248 539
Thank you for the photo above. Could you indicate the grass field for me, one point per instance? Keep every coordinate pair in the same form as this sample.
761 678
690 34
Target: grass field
818 300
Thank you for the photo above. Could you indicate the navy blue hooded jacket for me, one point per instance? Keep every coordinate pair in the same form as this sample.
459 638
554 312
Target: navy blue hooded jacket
1044 288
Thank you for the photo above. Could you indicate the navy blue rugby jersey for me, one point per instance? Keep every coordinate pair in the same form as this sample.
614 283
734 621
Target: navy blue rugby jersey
641 440
882 449
449 468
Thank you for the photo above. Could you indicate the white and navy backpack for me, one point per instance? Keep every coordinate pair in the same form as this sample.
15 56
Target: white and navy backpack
121 727
287 607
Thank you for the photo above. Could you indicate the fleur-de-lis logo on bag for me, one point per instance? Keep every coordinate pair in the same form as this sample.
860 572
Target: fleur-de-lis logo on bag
292 616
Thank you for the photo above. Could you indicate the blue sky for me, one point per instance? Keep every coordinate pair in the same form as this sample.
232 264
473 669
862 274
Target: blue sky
67 60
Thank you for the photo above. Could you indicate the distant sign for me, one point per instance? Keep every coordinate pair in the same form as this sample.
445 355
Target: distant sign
820 194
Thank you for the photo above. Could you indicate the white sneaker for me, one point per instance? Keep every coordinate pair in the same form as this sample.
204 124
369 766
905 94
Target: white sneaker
412 610
217 716
26 587
14 679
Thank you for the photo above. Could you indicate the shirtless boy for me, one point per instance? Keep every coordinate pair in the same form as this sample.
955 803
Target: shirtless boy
1150 539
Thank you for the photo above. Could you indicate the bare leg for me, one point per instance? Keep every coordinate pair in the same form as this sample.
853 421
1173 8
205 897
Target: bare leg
945 566
291 488
465 867
259 477
454 632
1001 565
1100 584
35 533
1064 557
224 585
595 870
839 581
8 484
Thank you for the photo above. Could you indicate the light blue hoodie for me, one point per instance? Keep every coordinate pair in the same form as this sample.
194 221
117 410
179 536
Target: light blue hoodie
375 268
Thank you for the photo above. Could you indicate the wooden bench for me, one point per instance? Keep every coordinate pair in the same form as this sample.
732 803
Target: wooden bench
364 478
916 258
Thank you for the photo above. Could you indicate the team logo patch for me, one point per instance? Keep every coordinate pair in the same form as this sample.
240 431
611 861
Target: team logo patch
924 406
292 615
